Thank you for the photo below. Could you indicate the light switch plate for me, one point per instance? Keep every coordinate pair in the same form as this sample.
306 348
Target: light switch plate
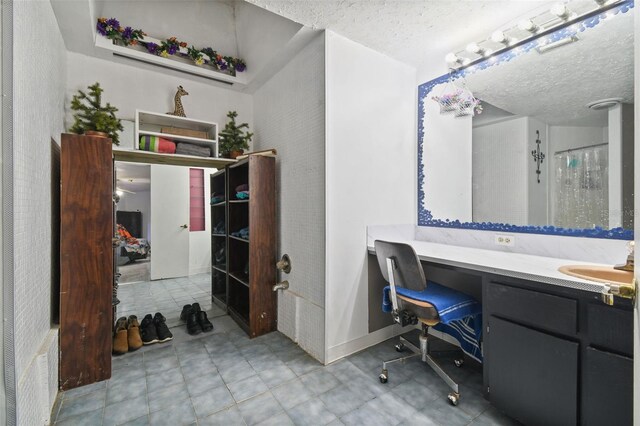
504 240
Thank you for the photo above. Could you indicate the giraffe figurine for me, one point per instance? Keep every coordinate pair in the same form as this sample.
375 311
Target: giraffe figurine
179 109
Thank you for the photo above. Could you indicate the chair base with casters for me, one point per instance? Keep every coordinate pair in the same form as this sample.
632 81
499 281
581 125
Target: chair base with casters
424 354
413 300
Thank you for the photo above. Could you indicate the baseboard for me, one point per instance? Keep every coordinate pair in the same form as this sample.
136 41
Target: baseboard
345 349
202 270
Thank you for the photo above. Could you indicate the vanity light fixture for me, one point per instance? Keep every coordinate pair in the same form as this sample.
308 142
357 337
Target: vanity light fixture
561 11
539 27
501 37
528 25
543 48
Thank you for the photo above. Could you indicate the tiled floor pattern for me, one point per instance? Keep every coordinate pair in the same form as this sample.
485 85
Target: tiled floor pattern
166 296
136 271
224 378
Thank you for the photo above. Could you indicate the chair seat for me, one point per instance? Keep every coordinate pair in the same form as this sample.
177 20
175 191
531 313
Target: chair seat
429 320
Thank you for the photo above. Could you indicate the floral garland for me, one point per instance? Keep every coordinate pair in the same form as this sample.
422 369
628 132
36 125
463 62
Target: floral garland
111 29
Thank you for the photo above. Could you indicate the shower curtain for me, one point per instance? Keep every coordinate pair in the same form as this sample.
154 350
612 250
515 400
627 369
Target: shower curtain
581 188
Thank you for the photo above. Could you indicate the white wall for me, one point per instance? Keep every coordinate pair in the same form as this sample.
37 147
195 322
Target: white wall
570 137
500 172
129 88
447 162
200 241
370 175
289 112
39 78
140 201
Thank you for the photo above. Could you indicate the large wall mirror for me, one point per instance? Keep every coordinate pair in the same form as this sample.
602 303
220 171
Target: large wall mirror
552 149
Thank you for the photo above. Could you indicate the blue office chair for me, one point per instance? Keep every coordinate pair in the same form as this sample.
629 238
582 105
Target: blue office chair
414 300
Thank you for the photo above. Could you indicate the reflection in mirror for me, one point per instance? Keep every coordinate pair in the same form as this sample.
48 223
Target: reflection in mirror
552 147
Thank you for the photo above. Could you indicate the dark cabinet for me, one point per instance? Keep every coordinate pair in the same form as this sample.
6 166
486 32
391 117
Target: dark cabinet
554 355
607 397
533 376
244 243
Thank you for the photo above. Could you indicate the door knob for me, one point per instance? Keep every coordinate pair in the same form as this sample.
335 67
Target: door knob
185 226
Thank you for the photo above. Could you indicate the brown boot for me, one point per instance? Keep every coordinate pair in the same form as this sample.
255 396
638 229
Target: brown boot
133 334
120 345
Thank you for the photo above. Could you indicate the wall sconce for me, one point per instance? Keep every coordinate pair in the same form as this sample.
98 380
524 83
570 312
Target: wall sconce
538 155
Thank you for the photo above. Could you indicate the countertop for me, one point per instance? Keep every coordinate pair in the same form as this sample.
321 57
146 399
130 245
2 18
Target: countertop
517 265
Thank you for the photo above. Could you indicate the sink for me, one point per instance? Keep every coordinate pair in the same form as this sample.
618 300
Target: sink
603 274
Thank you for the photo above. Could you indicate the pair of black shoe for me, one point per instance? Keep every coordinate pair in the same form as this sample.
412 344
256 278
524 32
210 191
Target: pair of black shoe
154 329
196 319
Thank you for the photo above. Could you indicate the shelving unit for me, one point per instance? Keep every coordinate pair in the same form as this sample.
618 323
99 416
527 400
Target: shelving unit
250 262
218 240
150 124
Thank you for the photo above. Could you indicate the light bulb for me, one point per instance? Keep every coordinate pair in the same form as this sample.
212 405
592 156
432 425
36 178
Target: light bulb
498 37
527 25
451 58
560 10
473 48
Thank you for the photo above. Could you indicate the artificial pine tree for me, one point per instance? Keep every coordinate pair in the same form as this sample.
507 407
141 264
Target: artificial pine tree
233 137
91 115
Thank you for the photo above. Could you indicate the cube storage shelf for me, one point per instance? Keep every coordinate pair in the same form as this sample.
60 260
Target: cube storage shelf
150 124
242 285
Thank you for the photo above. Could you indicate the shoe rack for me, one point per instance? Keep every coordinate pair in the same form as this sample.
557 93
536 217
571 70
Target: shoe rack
244 286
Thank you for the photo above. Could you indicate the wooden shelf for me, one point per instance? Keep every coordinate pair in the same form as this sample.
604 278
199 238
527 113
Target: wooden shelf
239 201
220 204
219 269
140 54
179 138
238 279
147 157
238 238
219 235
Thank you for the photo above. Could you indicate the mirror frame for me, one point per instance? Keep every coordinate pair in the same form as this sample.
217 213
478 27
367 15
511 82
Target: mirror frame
425 218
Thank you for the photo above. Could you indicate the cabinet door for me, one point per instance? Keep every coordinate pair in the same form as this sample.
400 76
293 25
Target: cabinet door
533 376
608 389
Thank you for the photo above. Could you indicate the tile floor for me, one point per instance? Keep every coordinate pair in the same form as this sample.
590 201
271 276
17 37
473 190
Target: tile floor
166 296
224 378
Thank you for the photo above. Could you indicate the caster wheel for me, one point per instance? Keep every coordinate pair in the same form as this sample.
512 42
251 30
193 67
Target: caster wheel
458 362
399 347
384 376
453 398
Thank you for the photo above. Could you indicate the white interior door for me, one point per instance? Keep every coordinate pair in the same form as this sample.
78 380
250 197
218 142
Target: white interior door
169 221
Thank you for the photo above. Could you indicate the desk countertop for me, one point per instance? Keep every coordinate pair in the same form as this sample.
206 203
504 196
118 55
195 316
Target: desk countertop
524 266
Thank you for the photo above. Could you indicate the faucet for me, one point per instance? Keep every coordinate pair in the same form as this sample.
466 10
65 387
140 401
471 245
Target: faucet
281 286
629 265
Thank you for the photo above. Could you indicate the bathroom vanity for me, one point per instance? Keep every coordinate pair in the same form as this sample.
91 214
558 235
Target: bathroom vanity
554 352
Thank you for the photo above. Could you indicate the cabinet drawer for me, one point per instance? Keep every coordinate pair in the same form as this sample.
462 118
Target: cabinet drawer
611 328
540 310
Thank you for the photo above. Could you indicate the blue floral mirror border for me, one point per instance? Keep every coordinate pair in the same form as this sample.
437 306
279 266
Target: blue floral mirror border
425 218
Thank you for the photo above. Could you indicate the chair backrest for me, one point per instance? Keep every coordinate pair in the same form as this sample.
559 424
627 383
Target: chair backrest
409 273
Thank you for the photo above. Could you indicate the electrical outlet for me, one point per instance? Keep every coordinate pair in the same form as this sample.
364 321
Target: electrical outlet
504 240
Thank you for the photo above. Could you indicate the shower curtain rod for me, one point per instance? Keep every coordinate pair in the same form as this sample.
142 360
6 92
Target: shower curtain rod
582 147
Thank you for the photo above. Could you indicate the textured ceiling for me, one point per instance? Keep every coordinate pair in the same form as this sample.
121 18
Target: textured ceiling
417 32
556 86
133 177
